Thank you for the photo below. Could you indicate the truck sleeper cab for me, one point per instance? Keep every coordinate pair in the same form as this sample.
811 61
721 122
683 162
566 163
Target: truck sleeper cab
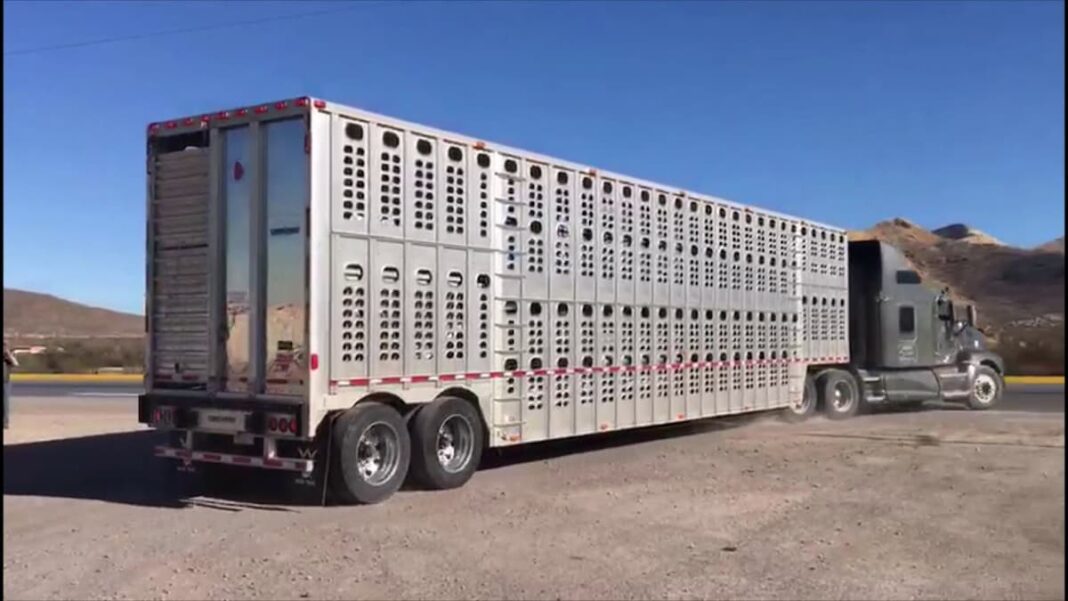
353 299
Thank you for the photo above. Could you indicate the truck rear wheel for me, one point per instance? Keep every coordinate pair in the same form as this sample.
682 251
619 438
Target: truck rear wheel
839 394
372 451
987 387
807 407
447 443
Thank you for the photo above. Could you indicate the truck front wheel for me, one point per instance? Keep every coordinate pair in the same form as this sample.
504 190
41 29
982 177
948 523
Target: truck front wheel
372 451
839 394
987 387
447 442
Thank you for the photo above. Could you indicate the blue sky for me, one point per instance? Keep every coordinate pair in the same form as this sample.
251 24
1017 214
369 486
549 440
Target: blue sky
848 113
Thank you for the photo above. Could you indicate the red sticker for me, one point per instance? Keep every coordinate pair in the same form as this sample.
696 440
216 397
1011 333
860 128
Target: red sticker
239 171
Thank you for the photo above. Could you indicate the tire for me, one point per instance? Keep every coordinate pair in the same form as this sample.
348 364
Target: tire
447 443
839 394
371 454
987 388
808 406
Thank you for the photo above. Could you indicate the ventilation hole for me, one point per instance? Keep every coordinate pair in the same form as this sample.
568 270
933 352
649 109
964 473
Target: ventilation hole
391 139
482 280
510 166
535 172
483 160
354 131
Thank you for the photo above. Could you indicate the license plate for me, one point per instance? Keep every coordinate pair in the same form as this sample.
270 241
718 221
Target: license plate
244 439
221 421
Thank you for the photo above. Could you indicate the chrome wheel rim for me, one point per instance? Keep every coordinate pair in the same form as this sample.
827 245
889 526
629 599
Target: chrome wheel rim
985 389
378 453
455 443
842 397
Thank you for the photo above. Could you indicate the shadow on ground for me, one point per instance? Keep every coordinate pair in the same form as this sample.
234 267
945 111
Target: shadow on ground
121 468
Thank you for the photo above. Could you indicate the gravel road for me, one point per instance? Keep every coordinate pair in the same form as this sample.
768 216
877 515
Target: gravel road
929 504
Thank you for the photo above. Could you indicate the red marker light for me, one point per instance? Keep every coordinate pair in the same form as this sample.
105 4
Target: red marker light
281 105
242 112
272 424
300 102
205 119
320 104
171 125
223 115
314 362
188 121
261 110
293 425
153 128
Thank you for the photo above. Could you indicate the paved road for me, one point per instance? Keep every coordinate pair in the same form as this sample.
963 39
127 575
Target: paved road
1019 397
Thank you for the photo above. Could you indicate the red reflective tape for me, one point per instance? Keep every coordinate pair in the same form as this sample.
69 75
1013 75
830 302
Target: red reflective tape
211 457
539 372
447 377
418 379
273 463
183 454
519 373
391 380
241 460
359 382
475 375
496 374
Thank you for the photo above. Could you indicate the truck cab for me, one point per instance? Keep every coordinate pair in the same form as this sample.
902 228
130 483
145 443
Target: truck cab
908 342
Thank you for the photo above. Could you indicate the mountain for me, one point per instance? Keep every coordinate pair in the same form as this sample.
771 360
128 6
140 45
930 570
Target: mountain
1019 293
34 315
965 233
1053 246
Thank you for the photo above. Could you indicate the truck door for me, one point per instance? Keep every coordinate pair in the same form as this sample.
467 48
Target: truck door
264 241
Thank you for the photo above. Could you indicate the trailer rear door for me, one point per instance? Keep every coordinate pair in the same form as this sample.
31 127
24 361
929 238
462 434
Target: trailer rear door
228 259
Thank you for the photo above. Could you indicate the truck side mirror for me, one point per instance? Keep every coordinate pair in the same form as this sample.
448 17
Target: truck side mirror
945 309
971 315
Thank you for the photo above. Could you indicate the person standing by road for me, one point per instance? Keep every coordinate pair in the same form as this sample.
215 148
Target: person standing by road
9 362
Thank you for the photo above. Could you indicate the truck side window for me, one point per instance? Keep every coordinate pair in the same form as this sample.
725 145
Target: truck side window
907 276
906 320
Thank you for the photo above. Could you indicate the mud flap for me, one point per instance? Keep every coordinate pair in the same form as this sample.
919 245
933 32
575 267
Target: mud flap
317 481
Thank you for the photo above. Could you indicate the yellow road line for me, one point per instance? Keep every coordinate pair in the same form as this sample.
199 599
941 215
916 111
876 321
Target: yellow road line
1034 379
75 378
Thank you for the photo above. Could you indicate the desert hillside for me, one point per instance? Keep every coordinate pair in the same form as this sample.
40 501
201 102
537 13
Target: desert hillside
34 315
1019 293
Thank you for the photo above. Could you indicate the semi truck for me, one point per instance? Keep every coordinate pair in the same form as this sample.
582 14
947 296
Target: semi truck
355 300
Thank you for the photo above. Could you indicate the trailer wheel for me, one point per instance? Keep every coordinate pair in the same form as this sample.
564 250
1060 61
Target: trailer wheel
839 394
807 407
372 451
986 388
447 443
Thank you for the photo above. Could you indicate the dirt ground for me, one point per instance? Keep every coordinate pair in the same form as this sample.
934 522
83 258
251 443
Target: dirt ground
929 504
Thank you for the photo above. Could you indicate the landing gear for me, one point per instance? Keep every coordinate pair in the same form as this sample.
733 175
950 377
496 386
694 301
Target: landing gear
806 407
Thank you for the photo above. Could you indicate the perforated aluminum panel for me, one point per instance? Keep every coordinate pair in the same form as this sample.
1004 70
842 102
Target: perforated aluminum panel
588 301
